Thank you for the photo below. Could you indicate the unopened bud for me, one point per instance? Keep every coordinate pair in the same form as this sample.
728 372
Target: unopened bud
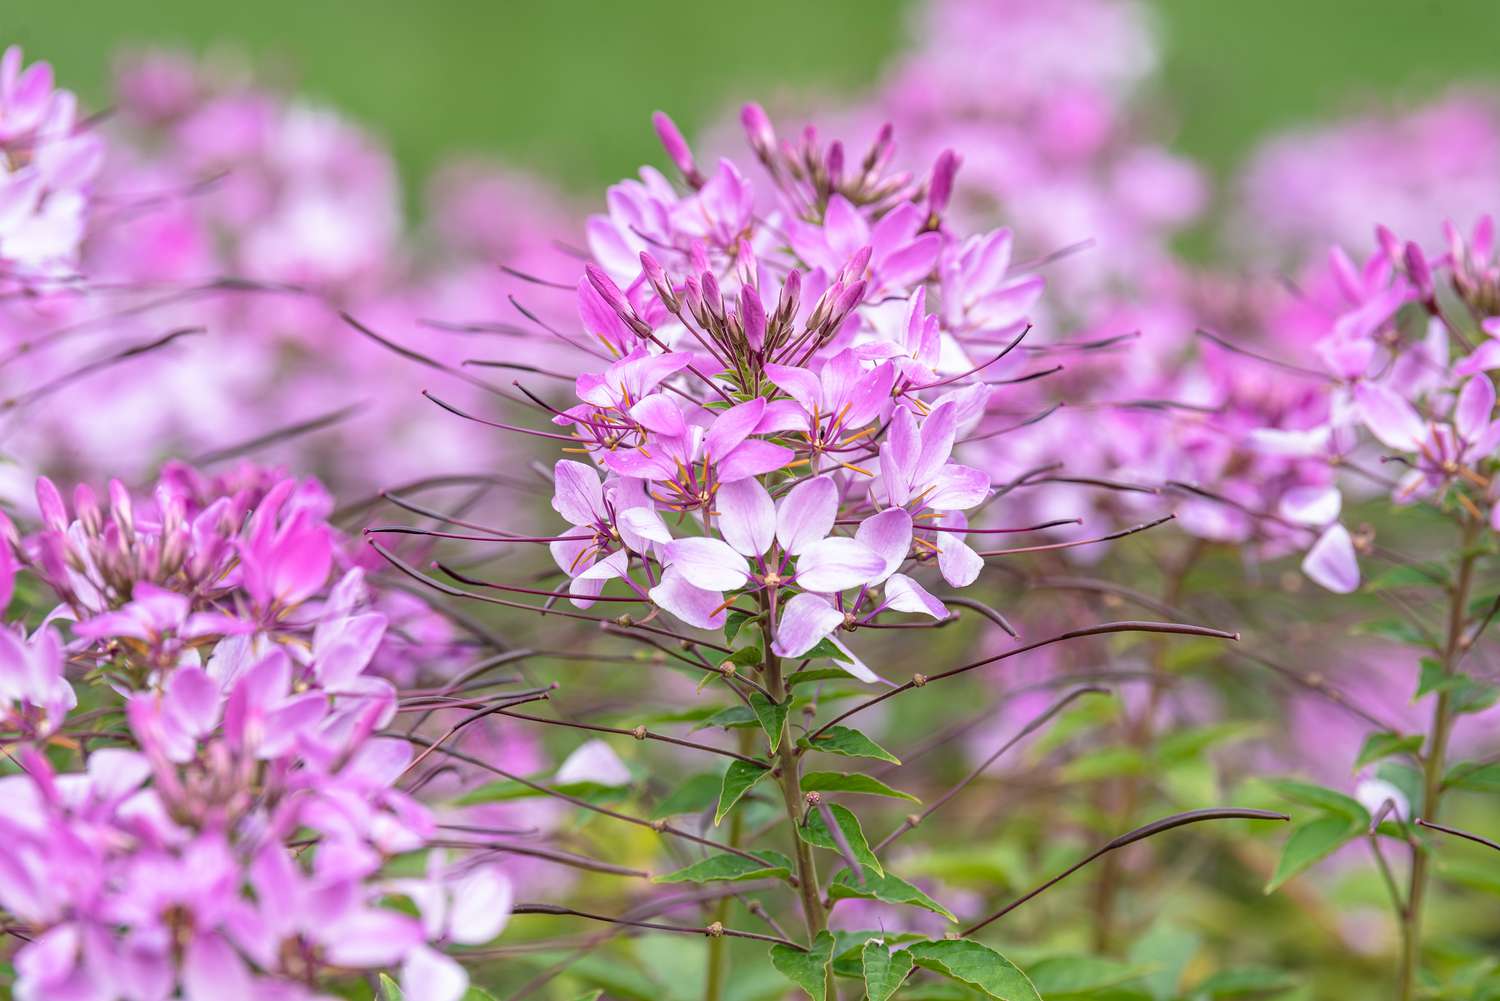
50 503
715 930
940 190
758 129
752 317
1420 274
918 680
639 733
657 276
833 164
677 148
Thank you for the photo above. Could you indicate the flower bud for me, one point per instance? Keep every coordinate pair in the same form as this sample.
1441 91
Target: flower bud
677 148
940 190
1420 274
758 129
833 164
50 503
752 317
652 268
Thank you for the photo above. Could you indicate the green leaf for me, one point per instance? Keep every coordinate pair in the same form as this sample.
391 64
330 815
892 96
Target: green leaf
1106 763
391 989
884 971
480 994
593 995
1385 745
772 716
846 782
824 648
1250 981
1465 694
1398 630
505 790
731 868
1168 950
734 621
1328 800
808 969
748 656
815 832
693 795
1421 575
887 887
1310 843
1193 741
850 743
733 717
815 674
1062 976
1474 776
738 779
979 966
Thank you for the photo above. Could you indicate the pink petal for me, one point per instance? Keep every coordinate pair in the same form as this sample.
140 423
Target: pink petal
747 516
1331 561
428 975
707 563
804 620
836 564
905 595
958 488
754 458
577 493
1311 505
1476 402
593 761
798 383
660 414
806 513
888 535
1389 417
212 971
731 428
481 905
693 605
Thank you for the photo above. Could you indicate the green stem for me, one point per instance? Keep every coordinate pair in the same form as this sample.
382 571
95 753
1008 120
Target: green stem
718 946
1434 766
790 780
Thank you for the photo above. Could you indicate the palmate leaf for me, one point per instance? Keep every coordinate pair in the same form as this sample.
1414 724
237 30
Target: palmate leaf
855 782
978 966
732 868
808 968
849 743
815 832
884 971
738 779
886 887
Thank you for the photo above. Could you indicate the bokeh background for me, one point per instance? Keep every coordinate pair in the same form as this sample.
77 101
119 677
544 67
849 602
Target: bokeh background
566 87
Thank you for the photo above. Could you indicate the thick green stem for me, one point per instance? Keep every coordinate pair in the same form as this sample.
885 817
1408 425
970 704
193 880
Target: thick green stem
813 911
1434 765
718 946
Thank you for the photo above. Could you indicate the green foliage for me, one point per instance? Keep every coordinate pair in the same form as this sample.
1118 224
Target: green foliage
807 968
732 868
977 966
886 887
772 717
694 794
815 832
1311 842
739 777
851 782
850 743
1385 744
884 972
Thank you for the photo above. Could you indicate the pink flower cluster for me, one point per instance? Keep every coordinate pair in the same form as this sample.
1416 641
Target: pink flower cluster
237 844
777 423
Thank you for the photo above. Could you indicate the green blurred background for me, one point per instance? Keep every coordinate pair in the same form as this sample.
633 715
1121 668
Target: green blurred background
566 86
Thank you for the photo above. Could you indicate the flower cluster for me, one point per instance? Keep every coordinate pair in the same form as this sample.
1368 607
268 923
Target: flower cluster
238 842
777 422
48 163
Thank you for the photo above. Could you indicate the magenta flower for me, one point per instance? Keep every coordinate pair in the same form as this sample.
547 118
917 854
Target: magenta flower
34 691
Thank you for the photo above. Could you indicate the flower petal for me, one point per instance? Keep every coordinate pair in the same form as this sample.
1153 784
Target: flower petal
1331 561
747 516
836 564
905 595
707 563
806 513
804 620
